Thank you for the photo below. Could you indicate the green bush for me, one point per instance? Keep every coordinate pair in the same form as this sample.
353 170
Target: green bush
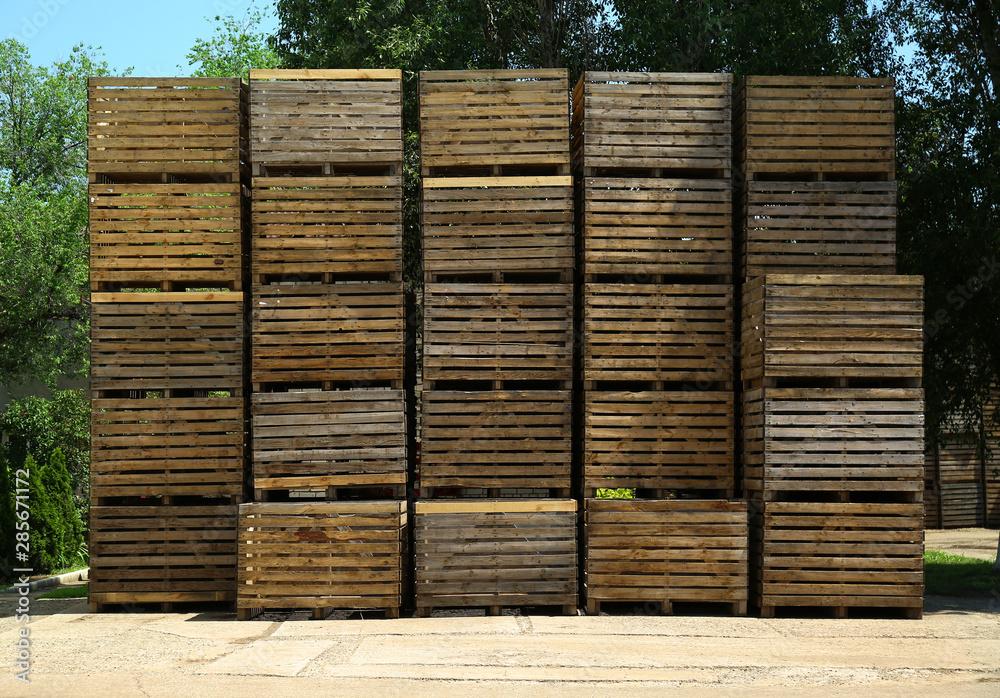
39 426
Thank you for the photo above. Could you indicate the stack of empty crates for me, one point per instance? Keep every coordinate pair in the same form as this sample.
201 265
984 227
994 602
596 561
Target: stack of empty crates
653 154
497 221
832 350
328 527
168 167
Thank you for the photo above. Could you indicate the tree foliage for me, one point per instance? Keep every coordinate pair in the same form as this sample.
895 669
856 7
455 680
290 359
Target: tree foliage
234 49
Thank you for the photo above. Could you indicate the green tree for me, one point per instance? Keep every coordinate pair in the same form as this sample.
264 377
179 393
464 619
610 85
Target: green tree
234 48
39 426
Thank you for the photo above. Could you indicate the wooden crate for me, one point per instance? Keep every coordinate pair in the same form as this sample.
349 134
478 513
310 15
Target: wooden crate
167 446
833 125
167 342
141 129
646 226
818 227
959 471
314 225
825 441
659 440
478 121
658 332
838 555
496 439
329 438
307 332
497 224
311 118
496 553
161 553
147 234
832 326
673 121
321 555
498 332
665 551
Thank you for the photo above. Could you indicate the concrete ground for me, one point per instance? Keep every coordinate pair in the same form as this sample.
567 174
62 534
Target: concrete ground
972 542
954 650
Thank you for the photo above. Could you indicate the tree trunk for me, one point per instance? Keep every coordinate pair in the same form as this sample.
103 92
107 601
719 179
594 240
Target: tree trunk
989 36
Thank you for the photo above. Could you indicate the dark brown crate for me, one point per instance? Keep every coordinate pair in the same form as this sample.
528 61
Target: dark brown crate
141 554
659 440
495 553
658 332
313 225
321 555
653 120
329 438
496 439
663 551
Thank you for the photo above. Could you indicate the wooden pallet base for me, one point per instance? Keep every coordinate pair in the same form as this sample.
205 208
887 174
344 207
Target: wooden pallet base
497 609
318 613
172 602
815 610
664 607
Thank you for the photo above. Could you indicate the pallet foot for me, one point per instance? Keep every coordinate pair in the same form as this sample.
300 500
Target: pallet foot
248 613
767 611
913 613
840 612
739 608
569 610
494 610
424 612
666 608
593 607
392 612
321 613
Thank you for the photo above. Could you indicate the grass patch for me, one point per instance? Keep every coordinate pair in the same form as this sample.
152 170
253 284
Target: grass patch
958 575
74 592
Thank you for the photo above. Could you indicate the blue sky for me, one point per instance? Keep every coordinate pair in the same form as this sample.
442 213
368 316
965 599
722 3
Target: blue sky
151 37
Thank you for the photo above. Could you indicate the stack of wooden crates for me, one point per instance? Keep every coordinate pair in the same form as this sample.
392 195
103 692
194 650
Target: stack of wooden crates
495 526
653 154
832 350
168 171
328 528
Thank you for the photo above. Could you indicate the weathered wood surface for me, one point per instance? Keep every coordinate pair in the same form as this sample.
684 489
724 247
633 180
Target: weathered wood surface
659 440
329 438
507 553
162 553
665 551
818 227
498 331
312 225
815 125
647 226
145 234
832 326
484 118
328 332
658 332
326 118
838 554
167 446
322 555
167 341
955 471
193 128
653 120
518 224
824 441
496 439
